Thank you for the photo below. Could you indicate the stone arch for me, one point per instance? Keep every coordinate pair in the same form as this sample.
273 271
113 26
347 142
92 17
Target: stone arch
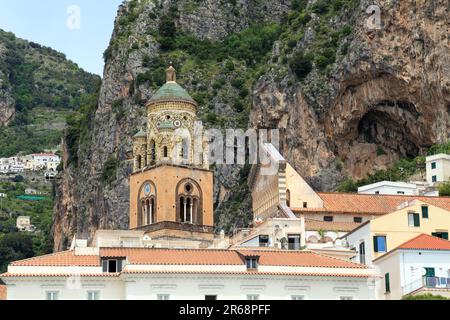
147 205
189 198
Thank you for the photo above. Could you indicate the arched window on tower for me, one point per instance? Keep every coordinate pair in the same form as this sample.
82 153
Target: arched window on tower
147 210
139 162
189 203
152 151
185 149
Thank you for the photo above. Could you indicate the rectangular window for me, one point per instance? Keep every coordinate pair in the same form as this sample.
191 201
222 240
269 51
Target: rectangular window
263 241
305 205
357 220
52 295
377 192
112 265
298 297
434 178
413 219
387 283
328 218
401 193
433 165
425 212
93 295
252 263
294 242
163 297
379 243
210 297
442 235
253 297
362 253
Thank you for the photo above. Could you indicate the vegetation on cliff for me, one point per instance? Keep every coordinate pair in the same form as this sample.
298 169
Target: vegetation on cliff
43 83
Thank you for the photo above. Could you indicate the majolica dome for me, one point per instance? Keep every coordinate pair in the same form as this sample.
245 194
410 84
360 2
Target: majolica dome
171 91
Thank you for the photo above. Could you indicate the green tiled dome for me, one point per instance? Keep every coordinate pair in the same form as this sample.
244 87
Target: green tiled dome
171 91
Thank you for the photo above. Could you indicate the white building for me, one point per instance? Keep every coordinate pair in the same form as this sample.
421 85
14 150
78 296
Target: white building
420 265
44 161
390 188
23 223
169 274
438 168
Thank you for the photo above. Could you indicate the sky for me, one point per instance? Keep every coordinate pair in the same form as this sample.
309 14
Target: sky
81 29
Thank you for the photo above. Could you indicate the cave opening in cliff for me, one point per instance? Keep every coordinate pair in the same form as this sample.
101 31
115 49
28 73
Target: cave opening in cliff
392 135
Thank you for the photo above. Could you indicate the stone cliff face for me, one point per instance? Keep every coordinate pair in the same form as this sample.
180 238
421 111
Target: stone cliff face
386 96
7 102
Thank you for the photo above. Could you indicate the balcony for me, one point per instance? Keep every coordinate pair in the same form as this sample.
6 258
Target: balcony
436 285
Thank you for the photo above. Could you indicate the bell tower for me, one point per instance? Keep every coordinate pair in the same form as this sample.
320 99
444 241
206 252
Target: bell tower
171 188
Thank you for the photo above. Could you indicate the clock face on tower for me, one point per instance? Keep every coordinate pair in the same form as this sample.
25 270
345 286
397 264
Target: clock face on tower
147 189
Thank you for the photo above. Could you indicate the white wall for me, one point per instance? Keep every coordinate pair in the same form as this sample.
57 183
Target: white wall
442 171
390 190
362 235
36 288
226 287
405 268
195 287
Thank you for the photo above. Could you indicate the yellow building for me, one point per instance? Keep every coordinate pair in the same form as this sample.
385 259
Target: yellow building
171 188
381 235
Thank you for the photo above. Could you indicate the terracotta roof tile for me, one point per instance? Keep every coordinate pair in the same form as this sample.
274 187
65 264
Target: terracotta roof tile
66 258
300 259
61 275
426 242
225 257
173 257
370 204
315 225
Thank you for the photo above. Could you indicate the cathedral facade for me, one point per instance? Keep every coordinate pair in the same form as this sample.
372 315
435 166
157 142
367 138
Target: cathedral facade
171 188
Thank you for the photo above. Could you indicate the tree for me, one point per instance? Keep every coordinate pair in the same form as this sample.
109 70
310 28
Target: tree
444 190
300 65
427 296
13 247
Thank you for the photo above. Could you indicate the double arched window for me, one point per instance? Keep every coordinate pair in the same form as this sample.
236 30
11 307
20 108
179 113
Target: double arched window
189 202
147 205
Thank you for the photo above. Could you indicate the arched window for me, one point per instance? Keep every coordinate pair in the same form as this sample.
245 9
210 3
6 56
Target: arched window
152 151
189 203
185 149
146 213
139 162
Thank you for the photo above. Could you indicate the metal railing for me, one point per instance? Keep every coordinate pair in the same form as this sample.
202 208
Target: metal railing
442 283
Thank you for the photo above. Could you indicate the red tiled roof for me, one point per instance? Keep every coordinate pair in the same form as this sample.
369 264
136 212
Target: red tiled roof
66 258
225 257
370 204
147 256
426 242
2 292
316 225
173 257
58 275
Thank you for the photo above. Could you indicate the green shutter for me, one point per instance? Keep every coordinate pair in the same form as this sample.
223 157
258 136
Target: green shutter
387 282
445 235
375 244
416 220
425 212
